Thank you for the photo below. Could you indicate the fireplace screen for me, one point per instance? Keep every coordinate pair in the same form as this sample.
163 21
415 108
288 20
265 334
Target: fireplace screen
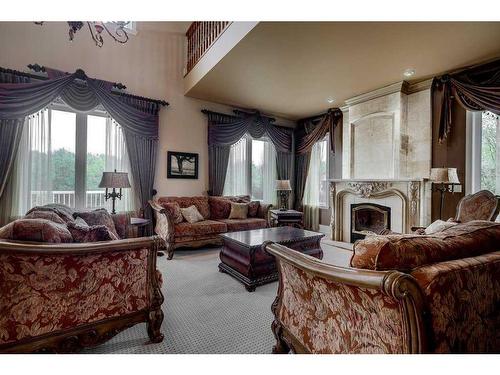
368 217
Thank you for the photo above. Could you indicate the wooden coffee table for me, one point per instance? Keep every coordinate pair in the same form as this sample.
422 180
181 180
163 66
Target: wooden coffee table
242 256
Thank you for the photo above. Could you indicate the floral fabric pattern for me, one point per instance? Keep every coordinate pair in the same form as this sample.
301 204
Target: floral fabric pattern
45 293
174 211
201 228
99 217
463 299
479 206
405 252
234 225
329 317
253 208
38 230
201 203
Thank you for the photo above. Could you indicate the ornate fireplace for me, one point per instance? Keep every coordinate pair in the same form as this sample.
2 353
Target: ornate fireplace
368 217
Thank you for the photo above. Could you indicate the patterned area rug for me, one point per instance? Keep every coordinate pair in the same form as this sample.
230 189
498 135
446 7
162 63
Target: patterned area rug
206 311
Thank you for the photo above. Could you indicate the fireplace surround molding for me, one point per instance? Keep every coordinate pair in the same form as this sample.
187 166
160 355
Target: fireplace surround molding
409 200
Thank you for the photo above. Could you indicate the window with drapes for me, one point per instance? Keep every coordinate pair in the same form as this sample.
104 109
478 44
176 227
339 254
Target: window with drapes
484 152
61 158
252 169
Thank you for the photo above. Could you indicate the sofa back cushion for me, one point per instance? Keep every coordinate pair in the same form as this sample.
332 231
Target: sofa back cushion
220 207
405 252
174 211
201 203
99 217
38 230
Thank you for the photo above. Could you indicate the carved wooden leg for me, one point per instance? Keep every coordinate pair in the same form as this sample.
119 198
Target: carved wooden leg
281 346
170 251
155 319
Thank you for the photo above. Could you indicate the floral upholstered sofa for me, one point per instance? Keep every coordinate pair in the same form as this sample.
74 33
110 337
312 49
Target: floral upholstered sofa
176 232
64 286
435 293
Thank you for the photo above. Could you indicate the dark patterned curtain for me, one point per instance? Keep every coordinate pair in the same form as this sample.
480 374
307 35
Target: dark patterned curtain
309 132
138 118
475 89
225 130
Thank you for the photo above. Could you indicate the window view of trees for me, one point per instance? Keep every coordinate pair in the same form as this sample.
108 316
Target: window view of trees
490 152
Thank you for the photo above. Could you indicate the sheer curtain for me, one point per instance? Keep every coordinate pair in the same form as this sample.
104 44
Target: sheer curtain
312 190
269 174
116 157
237 170
35 169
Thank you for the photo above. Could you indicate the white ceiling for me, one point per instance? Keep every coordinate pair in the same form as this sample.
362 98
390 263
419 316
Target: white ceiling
289 69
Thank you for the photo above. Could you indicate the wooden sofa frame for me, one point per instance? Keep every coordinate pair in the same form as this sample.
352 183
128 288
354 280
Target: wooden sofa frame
95 333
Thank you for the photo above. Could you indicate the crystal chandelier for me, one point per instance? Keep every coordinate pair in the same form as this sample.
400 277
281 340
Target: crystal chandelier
115 29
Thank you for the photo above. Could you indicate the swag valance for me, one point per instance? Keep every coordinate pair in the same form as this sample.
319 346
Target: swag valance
316 129
18 100
475 89
226 130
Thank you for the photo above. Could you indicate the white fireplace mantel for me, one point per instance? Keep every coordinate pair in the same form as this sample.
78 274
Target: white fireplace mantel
409 200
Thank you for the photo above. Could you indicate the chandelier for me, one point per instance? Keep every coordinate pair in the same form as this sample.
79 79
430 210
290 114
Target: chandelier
115 29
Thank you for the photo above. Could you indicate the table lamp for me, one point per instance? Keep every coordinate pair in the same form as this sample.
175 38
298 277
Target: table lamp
114 180
283 188
443 180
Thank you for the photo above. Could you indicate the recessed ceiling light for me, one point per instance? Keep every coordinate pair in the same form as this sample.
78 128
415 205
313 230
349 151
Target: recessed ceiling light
330 100
409 73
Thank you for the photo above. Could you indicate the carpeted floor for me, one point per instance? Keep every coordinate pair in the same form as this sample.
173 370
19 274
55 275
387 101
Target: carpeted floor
207 311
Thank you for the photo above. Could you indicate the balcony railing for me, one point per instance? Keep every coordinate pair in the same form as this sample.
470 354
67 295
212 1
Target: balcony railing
93 198
200 37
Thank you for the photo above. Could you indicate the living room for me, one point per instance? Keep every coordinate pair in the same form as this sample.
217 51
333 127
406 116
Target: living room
318 185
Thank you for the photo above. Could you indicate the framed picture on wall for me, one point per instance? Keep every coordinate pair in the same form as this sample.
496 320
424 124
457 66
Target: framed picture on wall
182 165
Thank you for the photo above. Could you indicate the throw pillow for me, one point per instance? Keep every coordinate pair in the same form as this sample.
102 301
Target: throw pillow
173 211
239 211
98 217
439 226
191 214
47 215
85 233
253 208
38 230
64 212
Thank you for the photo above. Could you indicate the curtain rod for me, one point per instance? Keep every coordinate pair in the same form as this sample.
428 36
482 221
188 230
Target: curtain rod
38 68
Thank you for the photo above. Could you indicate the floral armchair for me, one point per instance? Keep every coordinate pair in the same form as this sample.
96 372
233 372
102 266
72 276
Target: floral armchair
64 297
402 294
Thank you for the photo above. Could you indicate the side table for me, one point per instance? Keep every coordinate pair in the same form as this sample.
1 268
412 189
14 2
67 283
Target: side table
289 218
141 224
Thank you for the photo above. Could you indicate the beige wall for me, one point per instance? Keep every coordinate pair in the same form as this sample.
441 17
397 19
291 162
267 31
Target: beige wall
150 64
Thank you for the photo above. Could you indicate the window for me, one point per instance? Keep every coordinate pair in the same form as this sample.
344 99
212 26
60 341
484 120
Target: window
62 156
483 152
316 190
252 170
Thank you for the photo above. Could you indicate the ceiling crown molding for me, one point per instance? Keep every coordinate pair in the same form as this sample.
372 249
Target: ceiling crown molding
402 86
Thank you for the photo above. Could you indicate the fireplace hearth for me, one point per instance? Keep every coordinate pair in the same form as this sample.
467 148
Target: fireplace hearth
368 217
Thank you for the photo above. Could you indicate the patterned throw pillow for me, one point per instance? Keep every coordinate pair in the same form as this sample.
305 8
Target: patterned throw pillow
239 211
191 214
174 211
64 212
85 233
98 217
47 215
38 230
253 208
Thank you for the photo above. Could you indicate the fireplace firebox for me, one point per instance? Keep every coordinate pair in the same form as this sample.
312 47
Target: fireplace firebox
368 217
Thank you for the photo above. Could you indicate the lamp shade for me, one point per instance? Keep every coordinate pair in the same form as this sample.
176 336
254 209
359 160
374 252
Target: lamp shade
283 185
444 175
114 180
